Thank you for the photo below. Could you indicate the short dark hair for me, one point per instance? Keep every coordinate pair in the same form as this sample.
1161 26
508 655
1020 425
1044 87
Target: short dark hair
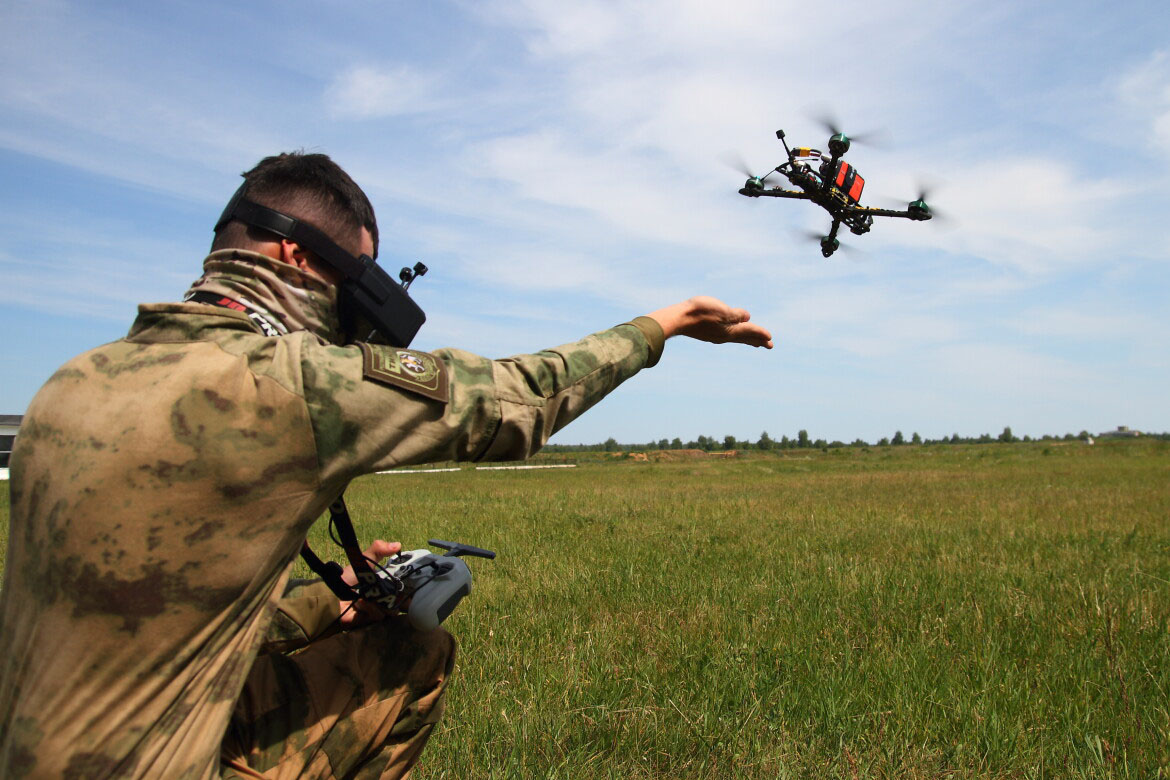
310 187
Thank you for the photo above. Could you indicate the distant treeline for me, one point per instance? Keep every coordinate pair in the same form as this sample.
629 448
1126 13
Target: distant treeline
803 441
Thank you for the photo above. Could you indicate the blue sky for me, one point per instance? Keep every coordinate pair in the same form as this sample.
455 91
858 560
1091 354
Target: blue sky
559 166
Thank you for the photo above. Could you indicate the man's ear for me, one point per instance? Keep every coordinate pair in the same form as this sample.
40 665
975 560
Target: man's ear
292 253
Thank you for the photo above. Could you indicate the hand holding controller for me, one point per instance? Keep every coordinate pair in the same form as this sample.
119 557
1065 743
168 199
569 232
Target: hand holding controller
430 586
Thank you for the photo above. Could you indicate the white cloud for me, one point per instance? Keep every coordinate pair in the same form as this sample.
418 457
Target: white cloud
100 285
635 193
92 266
1145 91
654 92
73 93
1008 371
561 163
365 92
1034 214
1098 326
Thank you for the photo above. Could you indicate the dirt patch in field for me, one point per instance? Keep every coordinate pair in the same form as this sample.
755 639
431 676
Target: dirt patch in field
670 456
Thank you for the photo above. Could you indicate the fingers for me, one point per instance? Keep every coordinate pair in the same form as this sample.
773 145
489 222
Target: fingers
378 551
360 612
751 334
710 319
741 330
736 316
707 308
381 549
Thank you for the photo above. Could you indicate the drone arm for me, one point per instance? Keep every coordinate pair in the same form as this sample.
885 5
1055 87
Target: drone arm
833 230
917 216
776 192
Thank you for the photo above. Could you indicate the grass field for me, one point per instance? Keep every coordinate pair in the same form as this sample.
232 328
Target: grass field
955 611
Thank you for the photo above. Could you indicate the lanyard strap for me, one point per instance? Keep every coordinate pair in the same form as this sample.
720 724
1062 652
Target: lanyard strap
383 591
371 587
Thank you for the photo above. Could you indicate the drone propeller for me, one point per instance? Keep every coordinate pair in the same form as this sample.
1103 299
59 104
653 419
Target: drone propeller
923 199
920 202
813 237
754 182
829 122
735 161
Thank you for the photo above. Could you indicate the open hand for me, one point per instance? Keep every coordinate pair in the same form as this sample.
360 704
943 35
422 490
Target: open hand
710 319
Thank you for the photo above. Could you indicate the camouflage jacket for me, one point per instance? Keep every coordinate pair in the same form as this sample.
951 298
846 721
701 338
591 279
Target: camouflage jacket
162 485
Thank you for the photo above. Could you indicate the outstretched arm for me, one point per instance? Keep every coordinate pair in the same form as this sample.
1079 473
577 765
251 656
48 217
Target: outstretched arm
372 407
710 319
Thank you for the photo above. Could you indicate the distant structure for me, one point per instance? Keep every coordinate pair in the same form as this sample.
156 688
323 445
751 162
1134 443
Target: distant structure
9 425
1122 432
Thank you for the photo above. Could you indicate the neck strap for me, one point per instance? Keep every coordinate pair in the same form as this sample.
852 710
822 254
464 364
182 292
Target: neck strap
382 591
370 586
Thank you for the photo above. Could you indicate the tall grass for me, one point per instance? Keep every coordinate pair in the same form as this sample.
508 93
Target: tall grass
956 611
912 612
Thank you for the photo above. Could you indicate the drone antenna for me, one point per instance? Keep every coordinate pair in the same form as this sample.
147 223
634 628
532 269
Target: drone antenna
780 135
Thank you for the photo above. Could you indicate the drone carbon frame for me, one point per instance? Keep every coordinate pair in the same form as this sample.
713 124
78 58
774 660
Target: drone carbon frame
837 189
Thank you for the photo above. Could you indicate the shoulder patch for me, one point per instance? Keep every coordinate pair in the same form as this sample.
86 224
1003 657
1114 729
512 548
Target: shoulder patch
418 372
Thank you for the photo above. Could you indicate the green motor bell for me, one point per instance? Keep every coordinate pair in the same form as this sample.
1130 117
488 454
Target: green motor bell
838 144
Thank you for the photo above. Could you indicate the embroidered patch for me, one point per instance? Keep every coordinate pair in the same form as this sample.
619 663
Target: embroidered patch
418 372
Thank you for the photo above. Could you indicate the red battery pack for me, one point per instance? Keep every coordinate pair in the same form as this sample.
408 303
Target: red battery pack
848 181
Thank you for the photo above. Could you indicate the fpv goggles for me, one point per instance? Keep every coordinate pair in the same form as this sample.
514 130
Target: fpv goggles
371 305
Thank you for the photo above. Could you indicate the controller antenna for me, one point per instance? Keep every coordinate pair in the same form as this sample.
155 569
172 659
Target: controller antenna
455 549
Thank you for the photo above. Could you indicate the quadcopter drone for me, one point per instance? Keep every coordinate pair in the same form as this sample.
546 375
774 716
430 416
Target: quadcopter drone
834 185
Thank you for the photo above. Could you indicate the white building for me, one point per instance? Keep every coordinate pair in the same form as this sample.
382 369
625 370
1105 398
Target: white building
1122 432
9 424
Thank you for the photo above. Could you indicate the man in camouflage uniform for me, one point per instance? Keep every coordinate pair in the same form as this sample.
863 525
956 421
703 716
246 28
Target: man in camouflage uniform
162 486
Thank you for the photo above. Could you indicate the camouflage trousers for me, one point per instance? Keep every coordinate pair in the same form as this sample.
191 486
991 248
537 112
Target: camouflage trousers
360 704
